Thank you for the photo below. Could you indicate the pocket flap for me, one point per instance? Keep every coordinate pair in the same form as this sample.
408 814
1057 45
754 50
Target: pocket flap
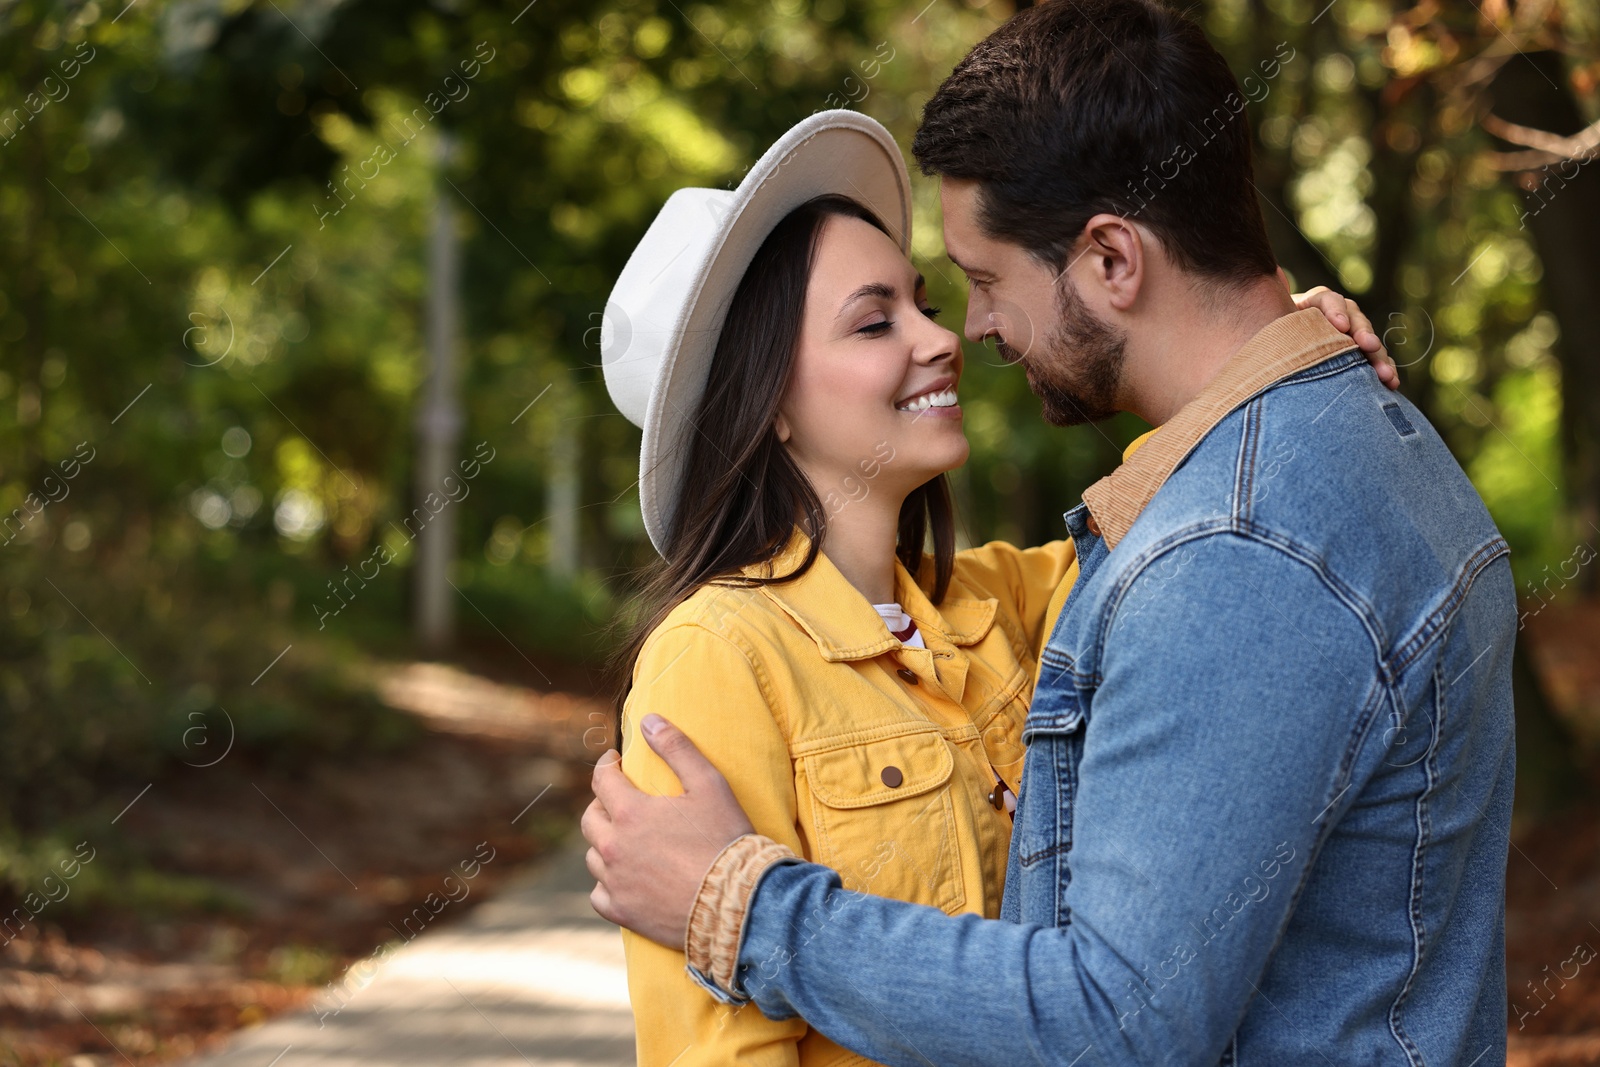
858 775
1056 709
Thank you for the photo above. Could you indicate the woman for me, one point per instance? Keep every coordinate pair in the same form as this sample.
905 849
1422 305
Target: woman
863 698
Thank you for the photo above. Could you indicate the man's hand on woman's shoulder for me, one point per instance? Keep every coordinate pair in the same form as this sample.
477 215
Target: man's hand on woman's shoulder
649 854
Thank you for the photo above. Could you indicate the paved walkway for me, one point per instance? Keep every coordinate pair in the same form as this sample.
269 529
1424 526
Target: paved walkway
531 978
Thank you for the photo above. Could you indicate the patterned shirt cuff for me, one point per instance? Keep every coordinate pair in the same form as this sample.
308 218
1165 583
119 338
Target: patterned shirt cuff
716 923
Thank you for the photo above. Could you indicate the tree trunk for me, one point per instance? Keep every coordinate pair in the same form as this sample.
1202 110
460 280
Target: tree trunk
1563 216
439 422
1562 213
563 501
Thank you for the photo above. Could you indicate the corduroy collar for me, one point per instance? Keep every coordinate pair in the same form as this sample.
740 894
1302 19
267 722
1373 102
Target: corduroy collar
1284 347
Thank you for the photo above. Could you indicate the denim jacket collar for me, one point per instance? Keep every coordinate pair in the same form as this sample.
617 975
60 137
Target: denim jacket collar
844 625
1284 347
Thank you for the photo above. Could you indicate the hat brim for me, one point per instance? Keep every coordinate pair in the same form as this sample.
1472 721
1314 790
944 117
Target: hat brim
840 152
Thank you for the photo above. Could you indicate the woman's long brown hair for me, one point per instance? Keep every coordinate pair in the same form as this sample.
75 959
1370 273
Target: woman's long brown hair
743 492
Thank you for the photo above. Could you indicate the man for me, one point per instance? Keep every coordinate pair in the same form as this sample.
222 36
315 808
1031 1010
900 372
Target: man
1267 794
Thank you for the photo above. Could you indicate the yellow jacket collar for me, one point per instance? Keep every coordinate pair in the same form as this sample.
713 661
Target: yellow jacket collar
842 622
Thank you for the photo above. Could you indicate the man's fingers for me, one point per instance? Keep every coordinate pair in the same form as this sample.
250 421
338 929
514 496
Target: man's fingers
679 753
611 787
600 901
596 823
595 864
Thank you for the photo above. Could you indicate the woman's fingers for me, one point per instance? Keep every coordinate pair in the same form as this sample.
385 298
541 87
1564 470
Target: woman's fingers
1361 331
1359 323
1346 315
1367 339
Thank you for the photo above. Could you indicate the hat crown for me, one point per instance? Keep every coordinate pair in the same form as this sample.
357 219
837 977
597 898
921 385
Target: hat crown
650 299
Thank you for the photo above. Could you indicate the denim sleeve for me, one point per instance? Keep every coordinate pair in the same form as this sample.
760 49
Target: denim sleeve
1232 693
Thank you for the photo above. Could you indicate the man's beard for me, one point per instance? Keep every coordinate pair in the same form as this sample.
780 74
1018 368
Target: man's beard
1077 374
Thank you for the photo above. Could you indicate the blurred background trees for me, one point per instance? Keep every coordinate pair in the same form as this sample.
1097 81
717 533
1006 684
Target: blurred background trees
217 215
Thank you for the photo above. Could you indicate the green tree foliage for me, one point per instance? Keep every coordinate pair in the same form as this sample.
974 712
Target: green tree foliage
217 214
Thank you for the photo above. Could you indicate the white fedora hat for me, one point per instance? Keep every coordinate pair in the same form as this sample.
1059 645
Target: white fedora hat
666 311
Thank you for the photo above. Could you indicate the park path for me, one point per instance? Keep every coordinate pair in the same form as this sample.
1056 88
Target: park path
530 978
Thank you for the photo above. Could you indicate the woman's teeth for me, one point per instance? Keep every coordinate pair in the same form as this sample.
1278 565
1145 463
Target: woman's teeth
946 399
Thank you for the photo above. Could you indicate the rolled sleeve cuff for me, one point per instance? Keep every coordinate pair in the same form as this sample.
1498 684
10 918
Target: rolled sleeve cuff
716 922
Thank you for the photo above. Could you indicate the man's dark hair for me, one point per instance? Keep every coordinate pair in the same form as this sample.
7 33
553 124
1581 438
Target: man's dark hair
1077 107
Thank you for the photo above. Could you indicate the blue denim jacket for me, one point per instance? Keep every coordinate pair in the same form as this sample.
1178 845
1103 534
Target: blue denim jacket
1266 802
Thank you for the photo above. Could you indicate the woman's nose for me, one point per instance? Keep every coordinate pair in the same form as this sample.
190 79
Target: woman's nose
938 344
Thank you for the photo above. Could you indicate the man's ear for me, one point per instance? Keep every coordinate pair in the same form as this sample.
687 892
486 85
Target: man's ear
1115 250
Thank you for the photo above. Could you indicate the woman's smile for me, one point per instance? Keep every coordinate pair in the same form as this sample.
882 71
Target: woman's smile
937 399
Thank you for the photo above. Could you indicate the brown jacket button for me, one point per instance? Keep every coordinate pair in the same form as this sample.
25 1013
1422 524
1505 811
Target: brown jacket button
911 679
892 777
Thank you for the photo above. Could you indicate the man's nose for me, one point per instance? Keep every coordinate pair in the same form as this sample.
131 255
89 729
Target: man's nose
980 322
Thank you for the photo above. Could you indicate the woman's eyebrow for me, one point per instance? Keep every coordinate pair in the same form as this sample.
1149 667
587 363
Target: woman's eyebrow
879 289
870 289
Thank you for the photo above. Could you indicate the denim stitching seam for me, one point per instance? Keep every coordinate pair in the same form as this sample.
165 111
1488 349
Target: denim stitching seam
1045 853
1352 745
1352 602
1378 695
1329 367
1437 622
1252 533
1424 828
1245 475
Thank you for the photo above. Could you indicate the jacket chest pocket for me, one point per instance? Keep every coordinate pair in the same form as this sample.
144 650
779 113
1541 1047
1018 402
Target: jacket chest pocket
1043 832
882 816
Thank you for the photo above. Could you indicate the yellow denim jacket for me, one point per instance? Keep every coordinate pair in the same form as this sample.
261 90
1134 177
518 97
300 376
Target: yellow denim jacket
855 751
